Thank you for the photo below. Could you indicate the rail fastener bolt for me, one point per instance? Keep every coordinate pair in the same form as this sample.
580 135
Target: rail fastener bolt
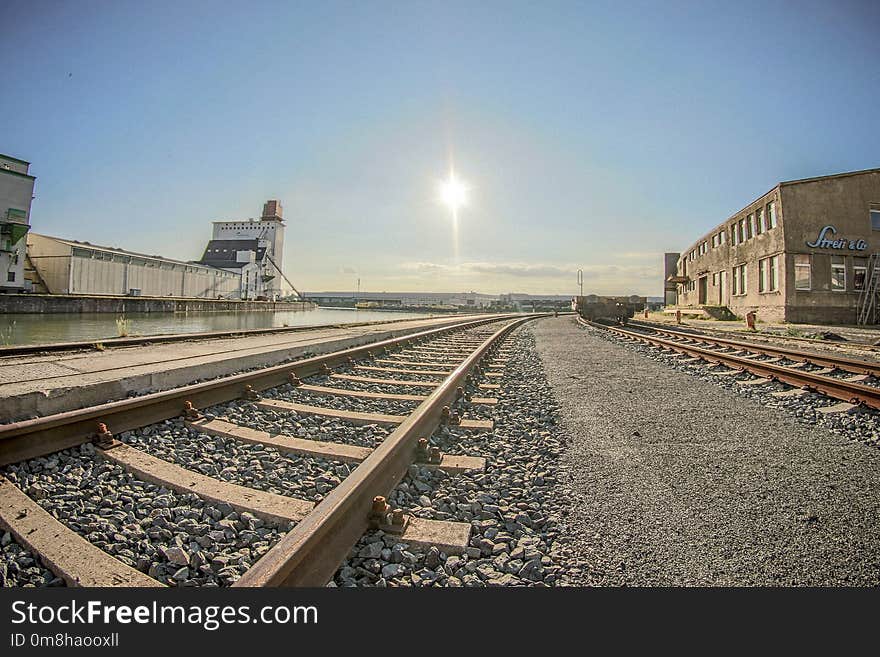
250 394
448 417
293 379
190 412
380 508
327 371
103 438
422 450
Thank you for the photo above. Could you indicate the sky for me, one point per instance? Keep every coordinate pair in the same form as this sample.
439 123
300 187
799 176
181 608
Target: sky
592 135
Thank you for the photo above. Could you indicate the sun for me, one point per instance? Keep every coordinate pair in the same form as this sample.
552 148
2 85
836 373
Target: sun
453 193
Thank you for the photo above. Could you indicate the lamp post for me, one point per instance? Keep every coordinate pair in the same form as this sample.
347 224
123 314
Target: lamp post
581 280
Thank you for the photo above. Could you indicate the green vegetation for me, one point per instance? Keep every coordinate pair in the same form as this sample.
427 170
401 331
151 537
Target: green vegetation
123 326
7 333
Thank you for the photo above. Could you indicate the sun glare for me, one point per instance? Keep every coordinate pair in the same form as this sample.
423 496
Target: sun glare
453 193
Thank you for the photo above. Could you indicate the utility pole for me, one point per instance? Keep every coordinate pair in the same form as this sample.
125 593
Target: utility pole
358 291
581 280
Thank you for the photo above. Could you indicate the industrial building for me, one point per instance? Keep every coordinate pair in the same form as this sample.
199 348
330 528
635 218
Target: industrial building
254 250
806 251
16 193
241 262
69 267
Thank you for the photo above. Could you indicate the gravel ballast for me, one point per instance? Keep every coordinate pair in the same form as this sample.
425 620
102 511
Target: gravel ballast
679 481
174 537
516 508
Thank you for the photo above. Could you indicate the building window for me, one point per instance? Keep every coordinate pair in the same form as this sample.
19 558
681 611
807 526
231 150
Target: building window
740 282
838 273
10 277
743 234
875 219
759 222
802 272
771 215
722 237
768 274
751 226
860 273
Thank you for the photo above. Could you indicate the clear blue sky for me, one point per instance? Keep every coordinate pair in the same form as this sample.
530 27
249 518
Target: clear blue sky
593 134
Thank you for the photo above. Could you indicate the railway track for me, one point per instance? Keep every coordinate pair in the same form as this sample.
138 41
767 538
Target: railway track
849 381
766 336
79 485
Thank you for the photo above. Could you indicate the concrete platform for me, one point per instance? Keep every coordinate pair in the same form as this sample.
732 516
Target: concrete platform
34 386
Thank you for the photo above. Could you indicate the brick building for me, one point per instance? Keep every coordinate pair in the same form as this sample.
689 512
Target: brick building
802 252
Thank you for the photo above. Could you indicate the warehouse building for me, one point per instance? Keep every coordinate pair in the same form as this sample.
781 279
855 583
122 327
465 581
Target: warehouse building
254 250
16 193
69 267
806 251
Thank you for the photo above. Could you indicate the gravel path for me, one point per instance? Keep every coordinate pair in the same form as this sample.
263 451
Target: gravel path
680 482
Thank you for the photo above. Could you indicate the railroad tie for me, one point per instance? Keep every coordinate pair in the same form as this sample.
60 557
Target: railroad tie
334 451
356 417
62 550
271 507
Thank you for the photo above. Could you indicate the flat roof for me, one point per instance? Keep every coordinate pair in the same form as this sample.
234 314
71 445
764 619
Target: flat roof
828 177
14 159
784 183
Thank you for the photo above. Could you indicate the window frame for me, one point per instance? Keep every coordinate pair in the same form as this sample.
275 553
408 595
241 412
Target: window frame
768 274
771 215
860 268
809 267
838 267
740 280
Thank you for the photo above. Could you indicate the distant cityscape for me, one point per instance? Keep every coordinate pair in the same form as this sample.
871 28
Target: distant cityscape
442 300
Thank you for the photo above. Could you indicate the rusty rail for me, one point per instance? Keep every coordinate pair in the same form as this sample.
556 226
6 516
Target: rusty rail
311 552
847 364
837 388
31 438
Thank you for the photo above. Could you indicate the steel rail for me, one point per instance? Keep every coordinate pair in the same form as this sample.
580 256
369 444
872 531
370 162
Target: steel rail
311 552
769 335
36 437
837 388
848 364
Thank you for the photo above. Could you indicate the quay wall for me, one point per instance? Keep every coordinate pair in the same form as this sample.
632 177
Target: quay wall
51 303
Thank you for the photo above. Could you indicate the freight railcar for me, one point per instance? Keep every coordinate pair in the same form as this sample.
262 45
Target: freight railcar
608 309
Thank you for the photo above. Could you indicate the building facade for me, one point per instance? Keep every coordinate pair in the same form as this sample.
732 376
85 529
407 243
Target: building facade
802 252
70 267
16 193
255 250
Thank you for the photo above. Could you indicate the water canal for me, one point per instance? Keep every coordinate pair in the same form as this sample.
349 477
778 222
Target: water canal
38 328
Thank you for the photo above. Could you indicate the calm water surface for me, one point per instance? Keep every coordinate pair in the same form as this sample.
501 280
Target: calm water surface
67 327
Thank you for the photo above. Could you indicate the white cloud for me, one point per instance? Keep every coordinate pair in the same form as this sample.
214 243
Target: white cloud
526 270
